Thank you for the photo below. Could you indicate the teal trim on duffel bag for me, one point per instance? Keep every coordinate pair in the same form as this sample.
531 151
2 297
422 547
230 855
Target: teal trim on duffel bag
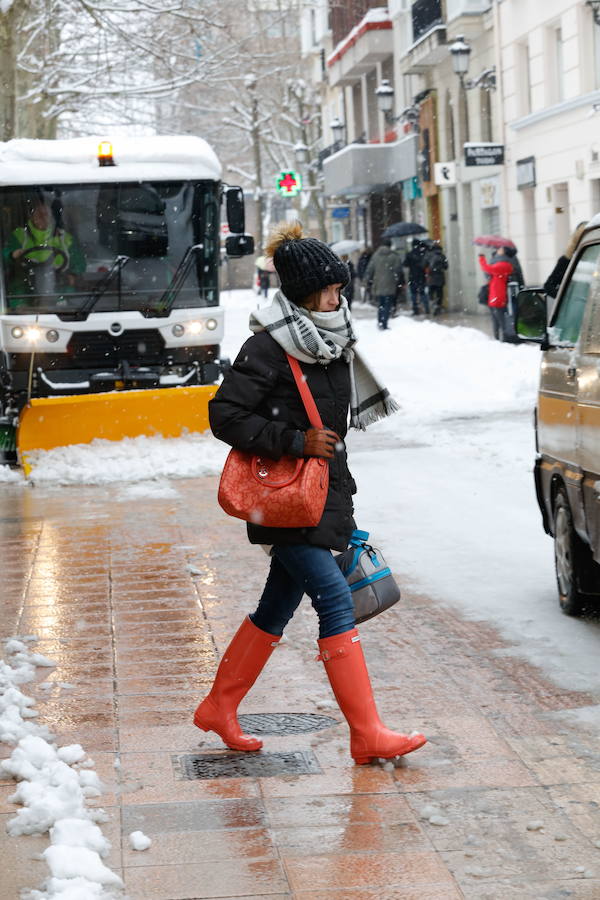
358 537
364 582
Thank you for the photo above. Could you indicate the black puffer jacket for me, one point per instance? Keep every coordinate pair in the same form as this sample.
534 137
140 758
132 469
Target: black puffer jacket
258 409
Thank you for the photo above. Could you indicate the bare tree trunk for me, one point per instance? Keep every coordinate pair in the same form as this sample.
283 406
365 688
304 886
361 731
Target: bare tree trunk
8 73
258 171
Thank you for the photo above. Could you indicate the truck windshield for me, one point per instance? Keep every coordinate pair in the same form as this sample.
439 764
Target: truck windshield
60 242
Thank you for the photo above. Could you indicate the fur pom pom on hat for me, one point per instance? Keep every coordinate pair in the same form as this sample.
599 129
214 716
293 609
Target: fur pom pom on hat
304 265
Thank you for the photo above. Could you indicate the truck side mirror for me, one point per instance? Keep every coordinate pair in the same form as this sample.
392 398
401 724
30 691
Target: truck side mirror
531 316
237 245
236 218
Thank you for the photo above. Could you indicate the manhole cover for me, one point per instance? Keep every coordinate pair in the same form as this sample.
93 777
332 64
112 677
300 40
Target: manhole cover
284 723
246 765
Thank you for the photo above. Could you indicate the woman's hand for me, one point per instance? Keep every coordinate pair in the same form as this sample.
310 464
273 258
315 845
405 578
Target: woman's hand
320 442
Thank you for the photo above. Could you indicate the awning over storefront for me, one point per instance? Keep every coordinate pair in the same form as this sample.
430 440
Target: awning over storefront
370 168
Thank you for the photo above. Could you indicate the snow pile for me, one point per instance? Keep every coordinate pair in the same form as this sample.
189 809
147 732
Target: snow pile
132 459
438 373
53 785
139 841
8 475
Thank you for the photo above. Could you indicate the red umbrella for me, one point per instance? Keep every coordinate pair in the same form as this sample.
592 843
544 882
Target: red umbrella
493 240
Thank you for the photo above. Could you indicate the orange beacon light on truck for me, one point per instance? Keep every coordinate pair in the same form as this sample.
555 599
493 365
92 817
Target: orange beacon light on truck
105 154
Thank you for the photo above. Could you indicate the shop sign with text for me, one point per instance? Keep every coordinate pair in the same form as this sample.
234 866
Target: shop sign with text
484 154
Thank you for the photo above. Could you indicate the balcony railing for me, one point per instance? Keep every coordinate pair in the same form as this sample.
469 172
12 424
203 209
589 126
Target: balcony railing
426 14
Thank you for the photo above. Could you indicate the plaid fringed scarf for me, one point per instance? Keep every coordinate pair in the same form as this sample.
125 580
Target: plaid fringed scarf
320 337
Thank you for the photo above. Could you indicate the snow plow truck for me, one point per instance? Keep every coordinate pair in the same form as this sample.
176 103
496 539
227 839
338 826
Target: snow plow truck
110 324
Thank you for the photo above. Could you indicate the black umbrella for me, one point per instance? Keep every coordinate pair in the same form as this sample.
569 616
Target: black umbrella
402 229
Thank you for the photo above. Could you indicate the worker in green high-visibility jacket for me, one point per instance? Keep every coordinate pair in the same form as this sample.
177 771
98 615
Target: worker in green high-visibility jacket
46 258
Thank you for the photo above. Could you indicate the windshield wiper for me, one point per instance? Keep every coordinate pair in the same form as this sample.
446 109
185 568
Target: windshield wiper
118 265
169 297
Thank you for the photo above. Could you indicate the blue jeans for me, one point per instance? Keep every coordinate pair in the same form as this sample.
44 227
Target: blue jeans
418 290
301 569
385 303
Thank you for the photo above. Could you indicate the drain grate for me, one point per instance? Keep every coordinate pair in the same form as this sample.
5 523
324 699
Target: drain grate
284 723
246 765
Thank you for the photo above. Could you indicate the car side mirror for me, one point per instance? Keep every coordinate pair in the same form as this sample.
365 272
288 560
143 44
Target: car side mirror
237 245
531 316
236 216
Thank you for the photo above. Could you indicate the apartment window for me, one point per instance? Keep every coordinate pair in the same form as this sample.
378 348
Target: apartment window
426 14
450 136
485 106
313 27
596 40
524 78
559 65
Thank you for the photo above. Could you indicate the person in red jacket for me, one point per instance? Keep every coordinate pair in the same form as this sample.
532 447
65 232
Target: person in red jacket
499 271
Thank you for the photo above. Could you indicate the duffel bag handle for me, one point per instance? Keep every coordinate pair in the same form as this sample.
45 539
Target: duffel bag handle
358 537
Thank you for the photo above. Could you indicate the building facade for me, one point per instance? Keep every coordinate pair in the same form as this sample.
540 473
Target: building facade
492 126
550 60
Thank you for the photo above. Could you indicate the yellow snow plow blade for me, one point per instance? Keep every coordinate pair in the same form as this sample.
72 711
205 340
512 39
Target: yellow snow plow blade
59 421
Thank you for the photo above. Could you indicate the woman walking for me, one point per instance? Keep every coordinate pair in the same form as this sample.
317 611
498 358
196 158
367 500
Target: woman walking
258 409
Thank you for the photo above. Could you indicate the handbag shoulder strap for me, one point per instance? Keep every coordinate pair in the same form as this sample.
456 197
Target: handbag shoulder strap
307 398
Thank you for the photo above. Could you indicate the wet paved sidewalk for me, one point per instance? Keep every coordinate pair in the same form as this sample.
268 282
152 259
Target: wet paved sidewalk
103 578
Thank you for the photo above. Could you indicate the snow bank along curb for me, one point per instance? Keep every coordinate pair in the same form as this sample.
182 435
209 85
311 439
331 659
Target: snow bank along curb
140 459
53 784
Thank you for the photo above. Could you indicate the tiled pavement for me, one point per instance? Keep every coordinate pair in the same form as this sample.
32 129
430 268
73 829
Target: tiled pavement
103 580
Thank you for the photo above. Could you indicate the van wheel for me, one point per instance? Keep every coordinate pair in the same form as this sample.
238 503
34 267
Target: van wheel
575 566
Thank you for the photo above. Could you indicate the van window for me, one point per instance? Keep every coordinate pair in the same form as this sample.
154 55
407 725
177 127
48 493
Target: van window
590 335
567 324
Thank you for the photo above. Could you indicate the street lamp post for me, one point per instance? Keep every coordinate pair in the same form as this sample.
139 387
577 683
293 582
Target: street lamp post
460 52
337 129
301 153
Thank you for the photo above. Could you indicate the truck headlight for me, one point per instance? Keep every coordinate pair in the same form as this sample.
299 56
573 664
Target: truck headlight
177 330
33 334
17 332
52 335
194 327
211 324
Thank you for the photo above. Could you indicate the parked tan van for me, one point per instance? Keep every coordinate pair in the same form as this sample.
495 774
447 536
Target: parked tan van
567 466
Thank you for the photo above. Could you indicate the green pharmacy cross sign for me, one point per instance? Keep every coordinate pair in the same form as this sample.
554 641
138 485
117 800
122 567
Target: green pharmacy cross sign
289 183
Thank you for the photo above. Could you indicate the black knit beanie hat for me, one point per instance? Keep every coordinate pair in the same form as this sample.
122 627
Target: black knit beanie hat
304 265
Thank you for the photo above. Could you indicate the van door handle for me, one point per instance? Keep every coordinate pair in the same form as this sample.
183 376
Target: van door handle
572 372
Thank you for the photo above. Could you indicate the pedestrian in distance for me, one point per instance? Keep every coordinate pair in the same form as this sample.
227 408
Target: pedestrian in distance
517 276
415 262
385 276
258 409
435 271
515 282
361 268
499 271
555 277
264 282
349 289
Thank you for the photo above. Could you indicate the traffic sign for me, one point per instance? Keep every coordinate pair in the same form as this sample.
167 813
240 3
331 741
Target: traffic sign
444 173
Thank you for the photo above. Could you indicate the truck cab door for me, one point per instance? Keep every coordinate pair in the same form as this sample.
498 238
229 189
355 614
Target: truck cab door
588 401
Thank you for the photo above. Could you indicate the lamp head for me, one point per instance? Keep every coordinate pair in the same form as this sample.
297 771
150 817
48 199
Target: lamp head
385 96
460 51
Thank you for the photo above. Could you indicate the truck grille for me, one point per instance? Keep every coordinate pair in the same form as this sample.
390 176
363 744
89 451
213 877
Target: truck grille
95 349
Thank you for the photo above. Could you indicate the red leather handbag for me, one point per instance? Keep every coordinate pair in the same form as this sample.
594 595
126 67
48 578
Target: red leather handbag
282 493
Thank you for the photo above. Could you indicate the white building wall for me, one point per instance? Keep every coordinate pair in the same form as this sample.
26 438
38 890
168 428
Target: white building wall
557 127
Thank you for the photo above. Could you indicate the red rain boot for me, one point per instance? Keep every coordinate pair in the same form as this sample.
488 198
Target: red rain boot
242 663
347 672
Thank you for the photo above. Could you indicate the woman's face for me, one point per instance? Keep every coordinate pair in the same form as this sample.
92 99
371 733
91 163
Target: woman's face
329 298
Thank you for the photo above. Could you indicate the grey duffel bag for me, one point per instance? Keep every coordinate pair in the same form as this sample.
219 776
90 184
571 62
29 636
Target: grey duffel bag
371 582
